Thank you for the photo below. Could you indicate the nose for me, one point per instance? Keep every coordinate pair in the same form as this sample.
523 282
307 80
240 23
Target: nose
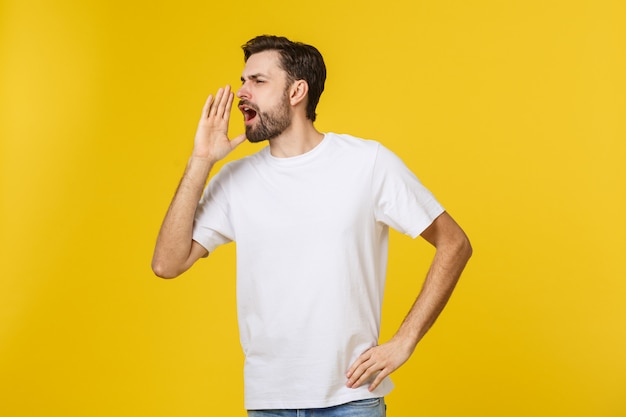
243 92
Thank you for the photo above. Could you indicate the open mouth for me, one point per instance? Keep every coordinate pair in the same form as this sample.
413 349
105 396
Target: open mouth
249 113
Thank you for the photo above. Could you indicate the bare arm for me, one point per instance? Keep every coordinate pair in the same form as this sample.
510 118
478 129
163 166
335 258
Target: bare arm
453 250
175 250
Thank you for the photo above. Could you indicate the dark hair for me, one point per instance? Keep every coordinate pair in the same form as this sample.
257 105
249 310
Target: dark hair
298 60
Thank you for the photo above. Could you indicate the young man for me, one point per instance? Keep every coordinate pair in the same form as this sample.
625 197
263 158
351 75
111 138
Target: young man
310 215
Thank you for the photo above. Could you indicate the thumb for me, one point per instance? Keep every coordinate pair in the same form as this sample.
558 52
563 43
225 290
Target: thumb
234 142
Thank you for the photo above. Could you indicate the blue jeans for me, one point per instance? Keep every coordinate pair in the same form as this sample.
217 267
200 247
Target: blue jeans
372 407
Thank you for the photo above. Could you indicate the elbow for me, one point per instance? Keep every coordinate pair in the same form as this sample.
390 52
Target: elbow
163 270
465 249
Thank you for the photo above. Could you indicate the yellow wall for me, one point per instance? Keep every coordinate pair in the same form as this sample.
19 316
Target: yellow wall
512 112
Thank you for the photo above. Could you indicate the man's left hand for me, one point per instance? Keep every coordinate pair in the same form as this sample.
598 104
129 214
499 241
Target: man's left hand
378 361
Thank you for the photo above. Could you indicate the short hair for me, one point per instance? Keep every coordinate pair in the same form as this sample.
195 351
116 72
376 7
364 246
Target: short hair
300 61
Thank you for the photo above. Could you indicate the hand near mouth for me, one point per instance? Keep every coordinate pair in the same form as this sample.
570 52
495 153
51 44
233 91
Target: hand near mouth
211 141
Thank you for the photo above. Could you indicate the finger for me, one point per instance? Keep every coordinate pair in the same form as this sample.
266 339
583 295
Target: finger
360 374
379 378
354 367
364 375
364 357
229 105
218 98
353 377
222 104
207 106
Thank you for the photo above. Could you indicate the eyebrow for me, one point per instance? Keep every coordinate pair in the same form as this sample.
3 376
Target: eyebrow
254 77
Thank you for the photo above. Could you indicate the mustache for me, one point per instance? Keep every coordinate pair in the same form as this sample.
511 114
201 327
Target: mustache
248 104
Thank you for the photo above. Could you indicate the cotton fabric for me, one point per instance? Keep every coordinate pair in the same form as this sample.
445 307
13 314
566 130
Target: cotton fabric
311 236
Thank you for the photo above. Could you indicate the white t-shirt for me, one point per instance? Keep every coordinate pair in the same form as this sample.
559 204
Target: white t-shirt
311 234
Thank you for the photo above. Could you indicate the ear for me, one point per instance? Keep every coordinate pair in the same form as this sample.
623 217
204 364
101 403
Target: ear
298 92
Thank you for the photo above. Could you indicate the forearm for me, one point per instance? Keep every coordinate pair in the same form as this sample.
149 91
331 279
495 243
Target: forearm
173 250
448 264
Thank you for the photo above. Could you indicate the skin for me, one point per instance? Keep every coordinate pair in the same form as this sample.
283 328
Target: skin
264 85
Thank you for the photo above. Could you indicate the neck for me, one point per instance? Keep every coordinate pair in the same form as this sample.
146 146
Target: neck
297 139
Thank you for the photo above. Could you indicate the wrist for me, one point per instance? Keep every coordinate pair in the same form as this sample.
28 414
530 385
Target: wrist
201 160
197 171
407 338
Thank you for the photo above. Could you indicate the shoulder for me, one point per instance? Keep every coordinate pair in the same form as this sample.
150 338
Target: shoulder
353 144
362 147
350 140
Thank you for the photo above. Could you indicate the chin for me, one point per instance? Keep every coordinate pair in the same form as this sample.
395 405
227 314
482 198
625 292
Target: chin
254 138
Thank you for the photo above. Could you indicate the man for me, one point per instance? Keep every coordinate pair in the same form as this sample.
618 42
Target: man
310 216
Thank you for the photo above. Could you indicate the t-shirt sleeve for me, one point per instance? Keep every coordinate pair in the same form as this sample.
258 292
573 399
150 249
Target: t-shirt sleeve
401 201
212 226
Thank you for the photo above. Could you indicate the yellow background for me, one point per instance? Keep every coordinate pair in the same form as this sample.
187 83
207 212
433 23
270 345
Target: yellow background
511 112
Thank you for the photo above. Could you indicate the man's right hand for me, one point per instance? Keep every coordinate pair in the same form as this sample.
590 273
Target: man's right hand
175 250
211 141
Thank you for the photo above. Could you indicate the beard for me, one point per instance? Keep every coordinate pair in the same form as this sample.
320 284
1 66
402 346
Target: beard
270 124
